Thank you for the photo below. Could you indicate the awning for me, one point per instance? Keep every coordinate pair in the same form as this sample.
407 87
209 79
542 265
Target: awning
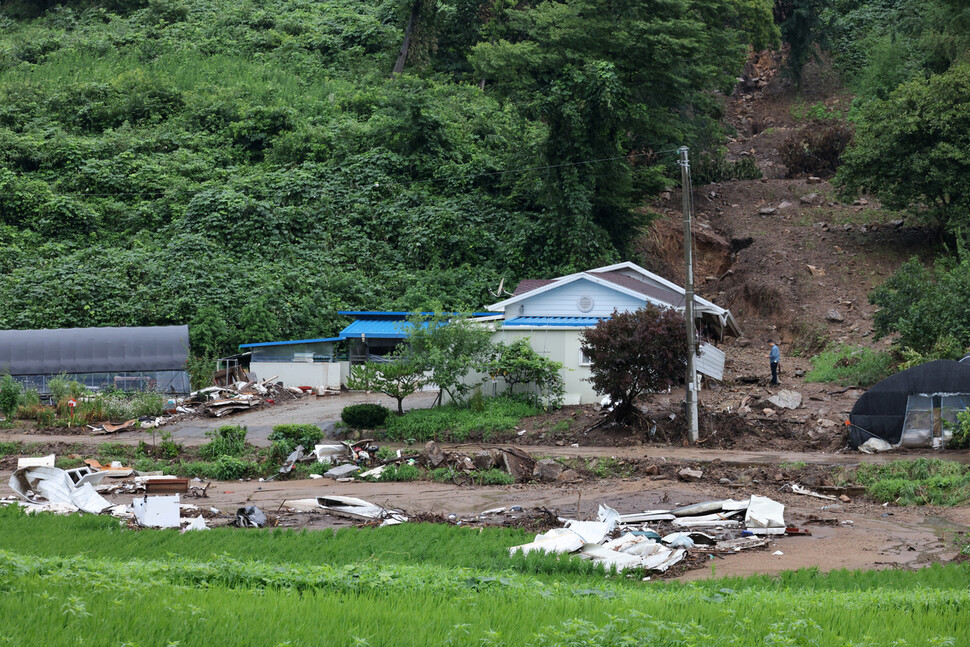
288 343
376 329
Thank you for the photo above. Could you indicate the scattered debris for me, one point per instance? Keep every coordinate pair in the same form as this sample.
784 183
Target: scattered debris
250 517
798 489
875 446
157 511
196 524
43 461
74 487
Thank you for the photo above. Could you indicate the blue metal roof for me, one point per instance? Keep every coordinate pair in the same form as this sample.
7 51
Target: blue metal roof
377 329
295 341
554 321
405 315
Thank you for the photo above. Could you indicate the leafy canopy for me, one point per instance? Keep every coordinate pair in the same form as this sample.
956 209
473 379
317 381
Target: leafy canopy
632 353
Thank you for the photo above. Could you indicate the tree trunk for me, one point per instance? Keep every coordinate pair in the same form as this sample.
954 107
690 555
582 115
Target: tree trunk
403 56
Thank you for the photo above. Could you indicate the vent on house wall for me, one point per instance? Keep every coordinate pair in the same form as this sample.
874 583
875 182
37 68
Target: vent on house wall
585 304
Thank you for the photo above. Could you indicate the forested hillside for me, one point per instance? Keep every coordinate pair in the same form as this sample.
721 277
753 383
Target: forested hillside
254 165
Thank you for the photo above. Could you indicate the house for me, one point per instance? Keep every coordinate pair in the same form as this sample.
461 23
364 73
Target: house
125 358
553 312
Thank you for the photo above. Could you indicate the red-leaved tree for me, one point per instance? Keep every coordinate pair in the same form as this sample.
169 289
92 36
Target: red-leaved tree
636 352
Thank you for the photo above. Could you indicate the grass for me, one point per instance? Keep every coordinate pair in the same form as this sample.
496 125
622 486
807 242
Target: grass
850 366
923 481
455 423
419 584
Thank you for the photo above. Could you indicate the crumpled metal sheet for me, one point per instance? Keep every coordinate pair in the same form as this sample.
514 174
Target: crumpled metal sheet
73 487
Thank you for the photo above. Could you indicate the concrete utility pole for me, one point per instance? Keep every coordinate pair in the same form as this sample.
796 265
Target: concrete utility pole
689 299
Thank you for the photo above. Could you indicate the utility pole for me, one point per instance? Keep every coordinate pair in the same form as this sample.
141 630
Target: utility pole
689 299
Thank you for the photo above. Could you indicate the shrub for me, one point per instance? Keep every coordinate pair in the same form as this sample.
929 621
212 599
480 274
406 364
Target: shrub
403 472
321 467
492 477
713 166
816 149
59 387
287 437
228 440
365 416
455 422
10 394
850 366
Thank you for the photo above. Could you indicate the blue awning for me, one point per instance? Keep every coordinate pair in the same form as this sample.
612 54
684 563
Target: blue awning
546 322
287 343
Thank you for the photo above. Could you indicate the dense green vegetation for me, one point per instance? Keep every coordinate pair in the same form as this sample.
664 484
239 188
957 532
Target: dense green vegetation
421 585
456 423
916 482
252 166
850 366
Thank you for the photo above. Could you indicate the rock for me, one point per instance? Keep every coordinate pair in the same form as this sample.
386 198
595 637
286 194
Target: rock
547 470
814 180
825 423
689 475
799 372
834 315
770 413
433 454
483 461
812 199
651 470
785 204
560 443
861 202
766 211
815 271
749 379
742 342
342 471
786 399
569 476
779 476
724 481
519 464
844 499
898 224
466 464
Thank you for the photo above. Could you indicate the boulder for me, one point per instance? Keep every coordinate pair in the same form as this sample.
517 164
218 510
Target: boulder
547 470
433 454
767 211
687 474
814 180
812 199
834 315
519 464
786 399
484 461
569 476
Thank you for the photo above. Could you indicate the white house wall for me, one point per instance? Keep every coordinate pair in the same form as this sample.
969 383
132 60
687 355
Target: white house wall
300 373
560 345
564 302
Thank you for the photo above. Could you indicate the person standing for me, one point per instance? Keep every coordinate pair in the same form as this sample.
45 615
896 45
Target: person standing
774 356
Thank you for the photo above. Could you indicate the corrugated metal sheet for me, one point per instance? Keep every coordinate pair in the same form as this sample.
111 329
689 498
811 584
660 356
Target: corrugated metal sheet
553 321
711 361
295 341
94 350
377 329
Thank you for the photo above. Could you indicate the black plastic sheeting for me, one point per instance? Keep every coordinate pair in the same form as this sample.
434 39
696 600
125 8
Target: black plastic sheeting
881 410
93 350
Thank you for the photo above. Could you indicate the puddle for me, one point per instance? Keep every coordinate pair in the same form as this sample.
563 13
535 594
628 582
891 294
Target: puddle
943 528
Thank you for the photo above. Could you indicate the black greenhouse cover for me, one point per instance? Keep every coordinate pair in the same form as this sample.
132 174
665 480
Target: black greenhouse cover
881 410
93 350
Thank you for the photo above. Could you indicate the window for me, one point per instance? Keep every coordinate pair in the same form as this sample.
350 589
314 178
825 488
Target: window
584 359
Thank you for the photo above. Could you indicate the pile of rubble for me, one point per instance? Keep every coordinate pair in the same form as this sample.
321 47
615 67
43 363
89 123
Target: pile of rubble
517 463
626 541
218 401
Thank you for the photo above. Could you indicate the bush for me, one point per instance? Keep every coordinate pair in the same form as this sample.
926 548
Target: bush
816 149
492 477
850 366
228 440
285 438
403 472
10 394
713 166
365 416
456 423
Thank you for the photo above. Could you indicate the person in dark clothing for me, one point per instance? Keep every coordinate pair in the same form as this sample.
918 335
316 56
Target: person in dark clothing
774 356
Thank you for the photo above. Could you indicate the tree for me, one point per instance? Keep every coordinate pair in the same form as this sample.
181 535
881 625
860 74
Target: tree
449 347
518 363
801 29
632 353
397 379
10 396
912 150
611 78
208 332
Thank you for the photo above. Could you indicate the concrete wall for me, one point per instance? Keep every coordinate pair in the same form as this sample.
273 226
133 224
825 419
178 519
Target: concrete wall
300 373
560 345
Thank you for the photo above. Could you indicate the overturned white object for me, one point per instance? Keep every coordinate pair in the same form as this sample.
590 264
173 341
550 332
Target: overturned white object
157 511
73 487
649 515
41 461
346 506
765 516
592 532
329 453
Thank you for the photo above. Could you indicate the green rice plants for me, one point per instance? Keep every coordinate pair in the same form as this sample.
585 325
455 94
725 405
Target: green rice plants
364 416
227 440
492 477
